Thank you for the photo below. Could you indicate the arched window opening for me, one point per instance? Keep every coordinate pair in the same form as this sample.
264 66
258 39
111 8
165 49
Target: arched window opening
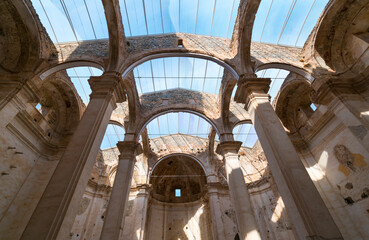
42 109
313 106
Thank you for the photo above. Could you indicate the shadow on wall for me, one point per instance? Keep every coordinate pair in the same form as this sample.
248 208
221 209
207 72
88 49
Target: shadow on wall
182 221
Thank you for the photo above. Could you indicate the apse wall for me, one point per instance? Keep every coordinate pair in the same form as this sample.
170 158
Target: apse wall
178 221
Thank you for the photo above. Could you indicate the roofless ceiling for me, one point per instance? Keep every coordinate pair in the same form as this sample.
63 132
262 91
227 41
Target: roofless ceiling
281 22
284 22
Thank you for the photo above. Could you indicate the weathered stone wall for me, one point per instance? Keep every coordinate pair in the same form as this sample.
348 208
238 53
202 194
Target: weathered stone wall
268 207
338 164
183 221
90 216
97 50
270 212
28 160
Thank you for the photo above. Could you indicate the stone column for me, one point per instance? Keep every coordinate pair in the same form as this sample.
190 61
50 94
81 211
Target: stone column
304 205
215 209
120 192
238 190
142 204
55 213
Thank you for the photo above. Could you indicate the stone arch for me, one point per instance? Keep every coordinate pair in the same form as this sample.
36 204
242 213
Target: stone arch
137 61
69 64
117 123
247 121
192 188
243 33
116 35
288 67
178 154
145 121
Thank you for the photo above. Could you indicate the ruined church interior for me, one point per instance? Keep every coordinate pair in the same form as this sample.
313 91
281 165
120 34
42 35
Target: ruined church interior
184 120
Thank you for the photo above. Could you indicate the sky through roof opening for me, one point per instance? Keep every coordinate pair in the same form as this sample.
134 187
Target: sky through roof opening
246 134
282 22
203 17
178 123
286 22
178 73
72 20
112 136
79 77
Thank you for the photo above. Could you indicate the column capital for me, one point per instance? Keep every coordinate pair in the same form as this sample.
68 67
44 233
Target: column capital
128 149
143 190
248 88
108 83
213 188
228 147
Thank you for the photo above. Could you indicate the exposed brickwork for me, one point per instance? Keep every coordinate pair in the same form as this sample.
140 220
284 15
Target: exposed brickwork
213 46
139 47
268 53
96 51
186 98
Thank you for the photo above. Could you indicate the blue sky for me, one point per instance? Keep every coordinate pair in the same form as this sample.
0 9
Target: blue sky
178 72
282 22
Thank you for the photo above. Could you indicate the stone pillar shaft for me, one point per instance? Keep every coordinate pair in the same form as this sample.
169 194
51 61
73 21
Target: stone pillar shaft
120 193
55 213
238 190
215 211
142 205
304 205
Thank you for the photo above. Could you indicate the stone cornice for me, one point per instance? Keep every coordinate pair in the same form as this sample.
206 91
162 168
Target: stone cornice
228 147
108 83
128 150
249 88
